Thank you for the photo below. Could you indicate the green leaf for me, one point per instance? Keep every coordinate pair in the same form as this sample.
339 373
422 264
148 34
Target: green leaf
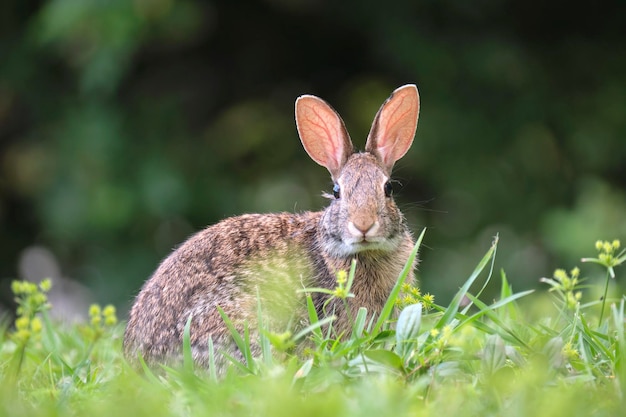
386 358
494 354
554 352
359 323
407 329
304 370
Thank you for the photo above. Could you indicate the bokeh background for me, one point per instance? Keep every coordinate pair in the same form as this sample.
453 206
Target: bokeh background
125 125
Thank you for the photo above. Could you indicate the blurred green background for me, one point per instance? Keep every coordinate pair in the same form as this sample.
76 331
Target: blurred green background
125 125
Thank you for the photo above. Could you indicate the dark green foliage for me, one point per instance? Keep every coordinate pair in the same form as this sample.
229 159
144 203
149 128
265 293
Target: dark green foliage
126 125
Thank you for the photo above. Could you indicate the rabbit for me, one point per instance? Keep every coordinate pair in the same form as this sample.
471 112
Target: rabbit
268 258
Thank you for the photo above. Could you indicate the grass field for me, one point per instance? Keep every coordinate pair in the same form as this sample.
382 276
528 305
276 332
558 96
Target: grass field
517 355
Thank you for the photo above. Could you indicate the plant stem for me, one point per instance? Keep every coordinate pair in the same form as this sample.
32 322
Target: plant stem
606 291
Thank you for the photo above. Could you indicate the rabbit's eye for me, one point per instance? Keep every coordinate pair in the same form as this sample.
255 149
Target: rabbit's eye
336 193
388 189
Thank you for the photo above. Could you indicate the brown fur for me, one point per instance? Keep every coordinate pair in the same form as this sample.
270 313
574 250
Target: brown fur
269 257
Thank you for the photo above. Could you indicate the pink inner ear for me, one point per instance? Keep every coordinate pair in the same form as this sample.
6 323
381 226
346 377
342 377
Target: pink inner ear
394 128
322 132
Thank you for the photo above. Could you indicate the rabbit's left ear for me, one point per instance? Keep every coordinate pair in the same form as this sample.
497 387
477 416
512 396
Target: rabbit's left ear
394 126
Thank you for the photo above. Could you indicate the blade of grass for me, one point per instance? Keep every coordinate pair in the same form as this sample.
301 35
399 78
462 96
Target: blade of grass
489 311
453 308
264 343
313 317
187 355
351 275
147 371
311 328
244 347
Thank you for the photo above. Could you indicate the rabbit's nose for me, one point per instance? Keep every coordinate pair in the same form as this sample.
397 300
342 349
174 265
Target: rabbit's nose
363 227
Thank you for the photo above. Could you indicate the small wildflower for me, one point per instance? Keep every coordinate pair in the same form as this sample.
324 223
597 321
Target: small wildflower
340 292
342 277
412 295
569 352
94 310
36 325
428 300
566 285
561 275
96 321
16 287
608 259
31 300
434 332
607 256
109 310
110 318
45 285
22 330
22 323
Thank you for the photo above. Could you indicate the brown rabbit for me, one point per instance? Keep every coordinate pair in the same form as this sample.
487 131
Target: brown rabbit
269 257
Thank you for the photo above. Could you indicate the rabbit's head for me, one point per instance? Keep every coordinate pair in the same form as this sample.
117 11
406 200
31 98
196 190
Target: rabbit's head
362 215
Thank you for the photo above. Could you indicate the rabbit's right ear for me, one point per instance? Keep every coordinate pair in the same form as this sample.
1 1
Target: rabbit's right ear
323 133
394 126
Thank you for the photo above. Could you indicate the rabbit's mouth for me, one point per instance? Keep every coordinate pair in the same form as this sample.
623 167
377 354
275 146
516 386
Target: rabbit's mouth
365 243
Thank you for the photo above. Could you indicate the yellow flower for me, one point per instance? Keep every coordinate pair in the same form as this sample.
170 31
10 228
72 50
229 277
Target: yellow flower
94 310
569 352
109 310
22 323
429 299
16 287
110 319
36 325
45 285
340 292
342 277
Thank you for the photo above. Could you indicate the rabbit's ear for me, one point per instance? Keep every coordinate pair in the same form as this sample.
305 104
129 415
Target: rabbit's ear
394 126
323 134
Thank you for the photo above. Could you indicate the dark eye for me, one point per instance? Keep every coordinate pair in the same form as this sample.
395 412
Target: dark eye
388 189
336 191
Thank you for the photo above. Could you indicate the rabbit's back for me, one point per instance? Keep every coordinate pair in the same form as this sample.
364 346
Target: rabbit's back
224 265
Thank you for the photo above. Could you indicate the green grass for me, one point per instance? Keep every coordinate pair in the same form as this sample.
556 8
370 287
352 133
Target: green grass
472 357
